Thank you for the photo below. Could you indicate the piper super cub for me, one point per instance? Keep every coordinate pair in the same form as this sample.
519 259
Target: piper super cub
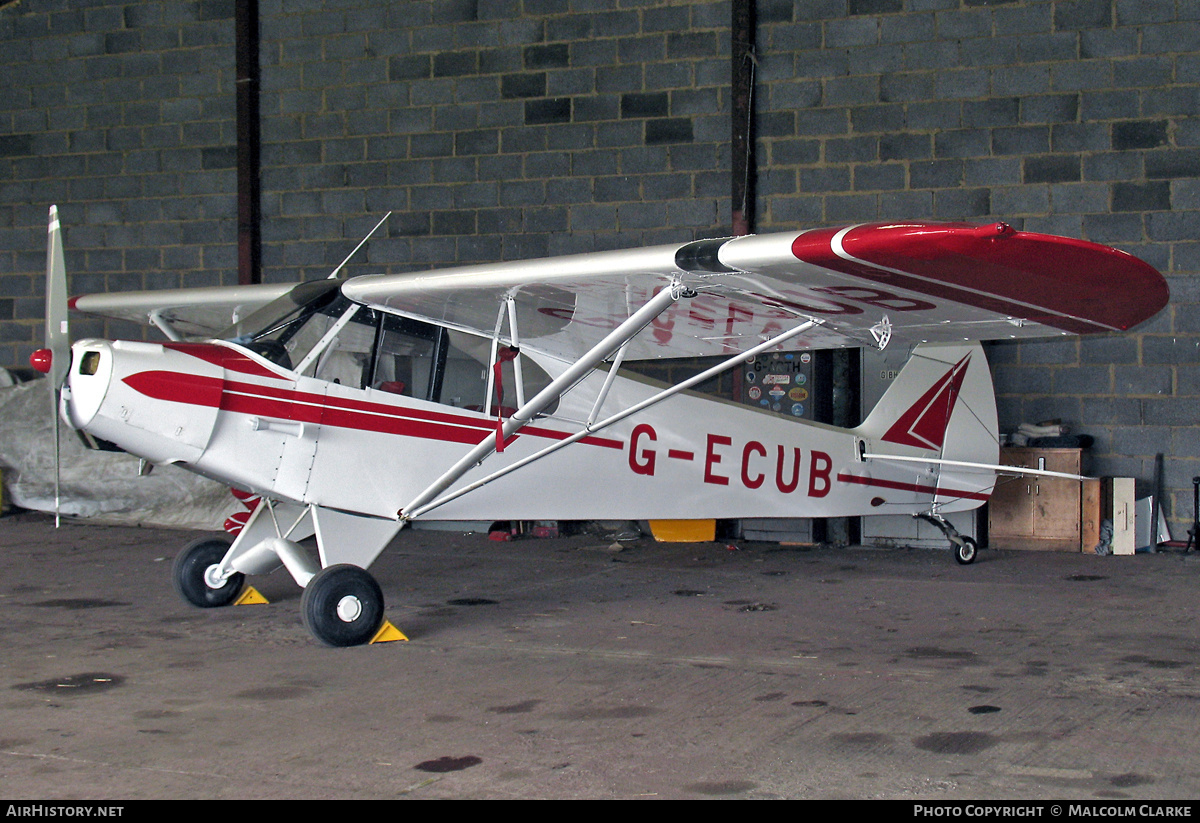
356 406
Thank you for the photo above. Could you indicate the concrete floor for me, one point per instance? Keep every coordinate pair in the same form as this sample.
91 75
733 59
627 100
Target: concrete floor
562 669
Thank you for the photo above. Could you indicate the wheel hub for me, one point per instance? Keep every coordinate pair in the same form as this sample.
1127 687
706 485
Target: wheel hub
213 578
349 608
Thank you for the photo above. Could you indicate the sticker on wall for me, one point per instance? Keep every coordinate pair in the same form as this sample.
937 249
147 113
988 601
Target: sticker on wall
779 381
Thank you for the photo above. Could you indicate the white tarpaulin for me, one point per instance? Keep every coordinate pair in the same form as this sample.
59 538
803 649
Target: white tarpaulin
96 484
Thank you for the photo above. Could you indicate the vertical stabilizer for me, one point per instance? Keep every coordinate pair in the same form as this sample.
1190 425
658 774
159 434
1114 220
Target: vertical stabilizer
942 406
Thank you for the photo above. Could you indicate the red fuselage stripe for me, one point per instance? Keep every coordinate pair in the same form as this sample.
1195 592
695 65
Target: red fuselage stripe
910 487
345 413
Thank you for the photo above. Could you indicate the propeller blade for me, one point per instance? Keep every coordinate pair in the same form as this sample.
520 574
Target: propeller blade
58 339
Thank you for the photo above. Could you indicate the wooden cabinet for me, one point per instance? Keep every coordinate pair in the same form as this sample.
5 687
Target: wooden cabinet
1035 512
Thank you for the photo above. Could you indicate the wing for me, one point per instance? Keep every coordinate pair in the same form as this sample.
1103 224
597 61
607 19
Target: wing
189 312
912 282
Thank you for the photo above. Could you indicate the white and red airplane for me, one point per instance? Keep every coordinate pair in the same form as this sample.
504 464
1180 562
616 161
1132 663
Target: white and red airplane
356 406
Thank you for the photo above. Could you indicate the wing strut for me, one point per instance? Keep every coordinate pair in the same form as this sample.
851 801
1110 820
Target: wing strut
997 468
613 341
590 428
507 305
491 377
164 325
613 368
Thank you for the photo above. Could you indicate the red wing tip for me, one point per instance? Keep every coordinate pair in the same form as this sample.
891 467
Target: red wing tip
1075 285
71 301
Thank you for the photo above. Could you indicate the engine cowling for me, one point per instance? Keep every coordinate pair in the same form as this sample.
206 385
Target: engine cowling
152 401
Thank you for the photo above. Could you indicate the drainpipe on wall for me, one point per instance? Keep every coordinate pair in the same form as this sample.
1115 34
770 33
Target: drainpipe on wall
248 144
742 32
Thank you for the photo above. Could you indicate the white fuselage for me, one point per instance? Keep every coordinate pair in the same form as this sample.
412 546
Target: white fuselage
231 415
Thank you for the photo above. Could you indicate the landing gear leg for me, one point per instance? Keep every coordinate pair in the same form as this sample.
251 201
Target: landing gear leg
965 548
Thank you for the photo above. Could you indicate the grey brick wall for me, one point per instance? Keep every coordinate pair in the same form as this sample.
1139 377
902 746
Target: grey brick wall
123 114
494 130
1076 117
502 129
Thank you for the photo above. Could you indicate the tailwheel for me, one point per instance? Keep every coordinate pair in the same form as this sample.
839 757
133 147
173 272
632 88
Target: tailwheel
965 548
342 606
966 551
194 574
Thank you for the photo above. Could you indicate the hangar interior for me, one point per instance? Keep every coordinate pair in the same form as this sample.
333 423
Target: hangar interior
216 143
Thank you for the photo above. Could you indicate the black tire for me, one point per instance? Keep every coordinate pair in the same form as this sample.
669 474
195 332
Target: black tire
187 574
342 606
966 553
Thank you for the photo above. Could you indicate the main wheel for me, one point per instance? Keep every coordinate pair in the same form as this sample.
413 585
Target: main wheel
342 606
966 552
190 574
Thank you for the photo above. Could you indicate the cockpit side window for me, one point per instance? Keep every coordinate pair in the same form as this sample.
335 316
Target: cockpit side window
346 359
407 358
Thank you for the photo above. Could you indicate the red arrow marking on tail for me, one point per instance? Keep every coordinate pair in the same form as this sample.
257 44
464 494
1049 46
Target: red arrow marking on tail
924 424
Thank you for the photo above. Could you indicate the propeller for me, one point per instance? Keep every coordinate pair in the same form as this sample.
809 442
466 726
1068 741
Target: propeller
55 359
